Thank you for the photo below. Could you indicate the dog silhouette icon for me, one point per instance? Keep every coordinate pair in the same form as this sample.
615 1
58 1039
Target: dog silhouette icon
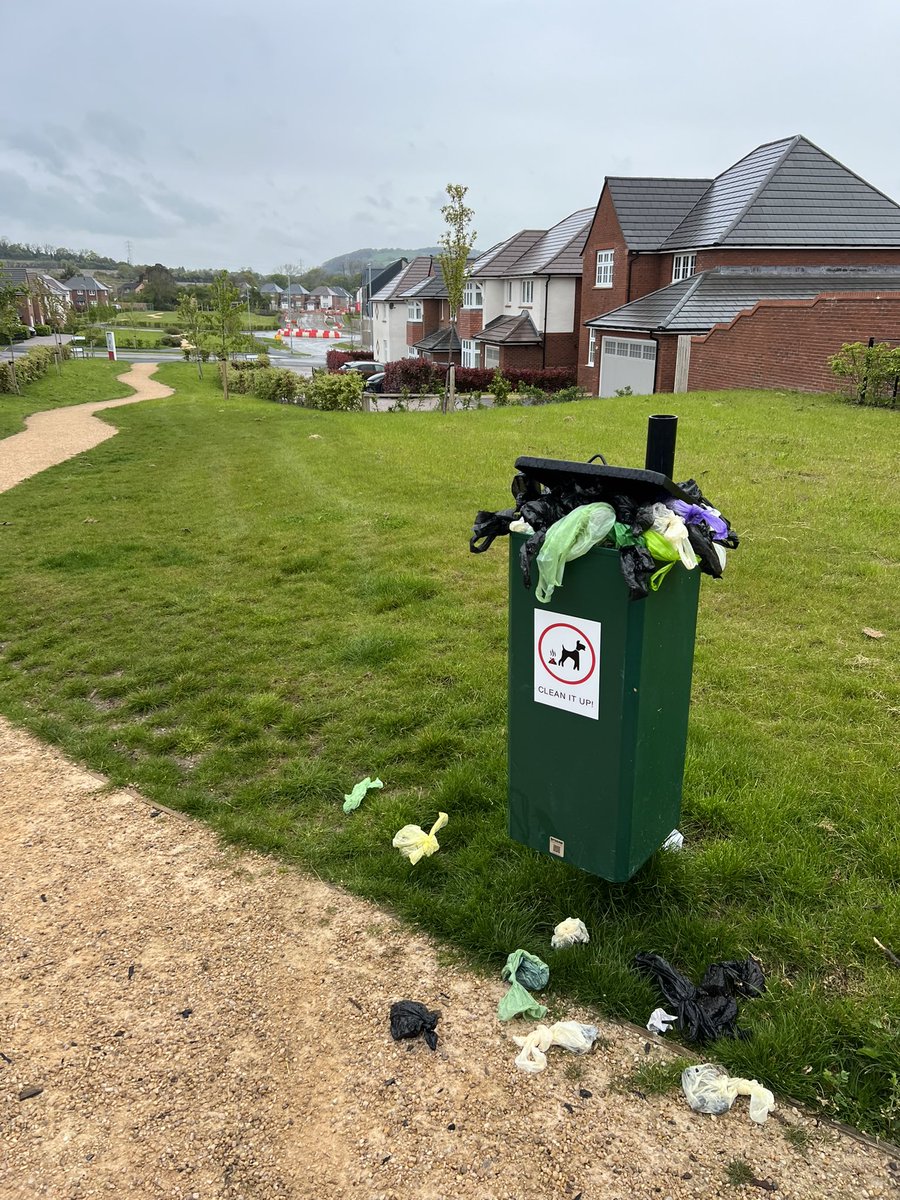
573 655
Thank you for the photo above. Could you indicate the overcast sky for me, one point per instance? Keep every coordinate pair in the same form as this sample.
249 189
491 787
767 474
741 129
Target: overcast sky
230 133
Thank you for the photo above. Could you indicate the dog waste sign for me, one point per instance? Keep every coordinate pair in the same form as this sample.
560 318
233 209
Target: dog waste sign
567 663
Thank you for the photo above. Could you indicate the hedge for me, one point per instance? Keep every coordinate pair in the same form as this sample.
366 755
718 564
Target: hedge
30 366
422 377
334 393
335 359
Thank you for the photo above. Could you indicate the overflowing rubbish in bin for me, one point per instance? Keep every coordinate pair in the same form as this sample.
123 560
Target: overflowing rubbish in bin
570 507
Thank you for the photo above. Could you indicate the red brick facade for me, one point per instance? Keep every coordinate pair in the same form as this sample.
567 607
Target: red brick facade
469 322
786 343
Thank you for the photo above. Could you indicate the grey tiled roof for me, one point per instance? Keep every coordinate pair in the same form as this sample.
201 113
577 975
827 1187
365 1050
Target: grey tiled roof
432 288
439 340
418 269
557 252
696 304
789 193
295 289
510 331
84 283
271 288
495 261
649 209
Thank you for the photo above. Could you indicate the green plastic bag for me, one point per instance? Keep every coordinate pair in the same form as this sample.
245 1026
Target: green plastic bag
523 970
663 551
569 538
354 799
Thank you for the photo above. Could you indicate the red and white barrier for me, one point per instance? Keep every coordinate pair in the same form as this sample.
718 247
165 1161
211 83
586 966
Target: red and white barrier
311 333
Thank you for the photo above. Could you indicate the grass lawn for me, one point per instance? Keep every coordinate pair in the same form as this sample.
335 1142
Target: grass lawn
156 320
260 617
80 382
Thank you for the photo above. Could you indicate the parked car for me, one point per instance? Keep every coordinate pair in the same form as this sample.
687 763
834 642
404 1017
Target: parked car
362 368
375 383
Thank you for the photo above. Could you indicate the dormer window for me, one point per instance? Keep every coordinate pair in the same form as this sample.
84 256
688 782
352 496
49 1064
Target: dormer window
683 266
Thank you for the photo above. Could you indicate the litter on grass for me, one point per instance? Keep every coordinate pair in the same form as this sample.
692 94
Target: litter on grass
568 932
409 1018
675 841
710 1089
414 843
524 971
356 796
709 1011
570 1035
660 1021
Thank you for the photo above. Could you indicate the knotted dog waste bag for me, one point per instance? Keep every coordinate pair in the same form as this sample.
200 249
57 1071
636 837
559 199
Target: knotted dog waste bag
524 971
710 1089
568 932
710 1010
414 843
572 536
356 796
571 1035
410 1018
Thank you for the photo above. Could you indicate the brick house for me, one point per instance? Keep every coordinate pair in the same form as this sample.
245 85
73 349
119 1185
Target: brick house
523 297
271 293
390 309
667 261
86 291
428 332
42 299
335 299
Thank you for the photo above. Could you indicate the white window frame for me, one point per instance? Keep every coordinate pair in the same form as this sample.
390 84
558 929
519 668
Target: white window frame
526 291
414 310
603 275
684 266
470 356
473 295
509 291
412 352
491 357
592 348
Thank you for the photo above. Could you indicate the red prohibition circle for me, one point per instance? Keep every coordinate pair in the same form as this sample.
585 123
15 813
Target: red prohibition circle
580 633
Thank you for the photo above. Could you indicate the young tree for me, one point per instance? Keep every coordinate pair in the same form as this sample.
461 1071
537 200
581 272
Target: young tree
290 271
195 323
55 310
457 241
10 322
225 321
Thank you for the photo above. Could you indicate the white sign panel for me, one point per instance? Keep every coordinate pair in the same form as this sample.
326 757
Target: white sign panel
111 346
567 663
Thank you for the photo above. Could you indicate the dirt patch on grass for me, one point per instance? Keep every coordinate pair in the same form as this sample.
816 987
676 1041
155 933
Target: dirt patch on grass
207 1024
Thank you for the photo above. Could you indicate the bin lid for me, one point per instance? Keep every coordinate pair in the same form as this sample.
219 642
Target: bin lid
641 485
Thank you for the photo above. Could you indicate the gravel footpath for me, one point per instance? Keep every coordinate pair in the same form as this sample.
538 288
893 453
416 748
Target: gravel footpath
60 433
207 1024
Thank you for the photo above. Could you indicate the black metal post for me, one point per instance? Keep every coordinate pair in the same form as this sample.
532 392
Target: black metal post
662 430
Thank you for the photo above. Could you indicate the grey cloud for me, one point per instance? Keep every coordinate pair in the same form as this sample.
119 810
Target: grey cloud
114 132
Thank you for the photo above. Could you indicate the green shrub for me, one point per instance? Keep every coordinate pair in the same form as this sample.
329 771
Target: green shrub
871 372
501 388
173 329
29 367
335 393
276 383
43 330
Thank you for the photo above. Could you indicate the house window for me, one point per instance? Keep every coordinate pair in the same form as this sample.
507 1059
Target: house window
683 266
527 289
470 357
473 296
592 346
414 310
604 276
412 352
509 291
491 357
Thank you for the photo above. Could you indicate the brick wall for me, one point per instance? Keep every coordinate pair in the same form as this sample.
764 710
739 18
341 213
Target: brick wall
469 322
786 343
415 331
561 349
605 234
521 358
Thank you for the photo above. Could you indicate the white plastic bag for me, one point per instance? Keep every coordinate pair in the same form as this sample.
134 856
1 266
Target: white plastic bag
674 530
568 932
675 840
571 1035
414 843
660 1021
710 1089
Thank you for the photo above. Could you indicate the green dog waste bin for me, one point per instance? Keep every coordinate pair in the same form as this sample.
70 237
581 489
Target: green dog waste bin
599 690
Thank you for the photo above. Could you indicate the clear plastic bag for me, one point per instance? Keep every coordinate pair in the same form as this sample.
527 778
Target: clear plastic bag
568 932
570 537
710 1089
570 1035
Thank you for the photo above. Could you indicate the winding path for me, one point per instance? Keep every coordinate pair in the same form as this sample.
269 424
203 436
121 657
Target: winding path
53 436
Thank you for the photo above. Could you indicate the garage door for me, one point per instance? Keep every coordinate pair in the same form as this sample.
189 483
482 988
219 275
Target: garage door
627 363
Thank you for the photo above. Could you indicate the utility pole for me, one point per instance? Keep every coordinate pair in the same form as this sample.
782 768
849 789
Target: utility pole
128 252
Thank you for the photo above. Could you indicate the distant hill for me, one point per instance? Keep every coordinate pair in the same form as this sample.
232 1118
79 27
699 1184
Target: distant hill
356 261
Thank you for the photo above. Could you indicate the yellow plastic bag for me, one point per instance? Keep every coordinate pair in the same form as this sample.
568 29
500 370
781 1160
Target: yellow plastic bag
414 843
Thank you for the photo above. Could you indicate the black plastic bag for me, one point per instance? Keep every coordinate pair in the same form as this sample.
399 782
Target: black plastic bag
409 1018
701 543
529 553
709 1011
490 525
637 565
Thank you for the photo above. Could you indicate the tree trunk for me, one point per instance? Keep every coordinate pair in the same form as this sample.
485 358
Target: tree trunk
12 367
